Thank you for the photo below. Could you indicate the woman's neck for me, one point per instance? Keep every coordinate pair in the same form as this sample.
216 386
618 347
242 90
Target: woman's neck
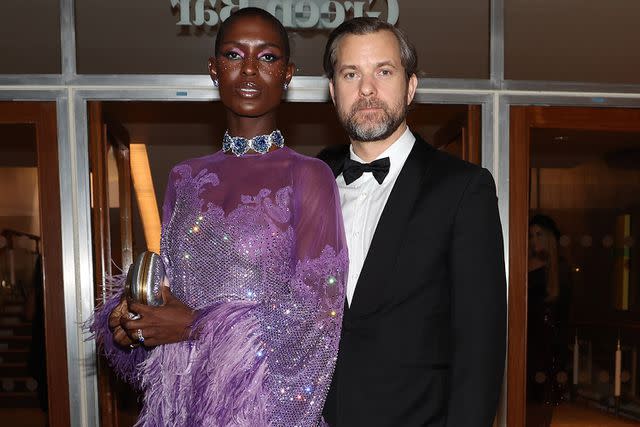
248 127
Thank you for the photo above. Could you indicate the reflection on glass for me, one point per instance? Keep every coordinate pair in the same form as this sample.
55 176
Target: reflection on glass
30 39
571 41
622 261
120 241
548 298
23 376
583 308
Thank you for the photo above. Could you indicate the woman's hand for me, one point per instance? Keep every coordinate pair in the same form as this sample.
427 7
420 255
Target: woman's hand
115 318
165 324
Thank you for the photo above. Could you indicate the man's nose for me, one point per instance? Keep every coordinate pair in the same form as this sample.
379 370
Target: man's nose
367 86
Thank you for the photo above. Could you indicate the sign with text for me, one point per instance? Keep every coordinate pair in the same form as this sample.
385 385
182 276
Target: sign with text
177 36
303 14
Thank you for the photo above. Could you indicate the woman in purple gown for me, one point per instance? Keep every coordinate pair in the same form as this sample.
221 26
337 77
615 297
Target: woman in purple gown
254 248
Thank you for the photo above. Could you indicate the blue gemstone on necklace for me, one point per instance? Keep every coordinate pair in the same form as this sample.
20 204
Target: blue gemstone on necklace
260 144
239 146
277 138
227 142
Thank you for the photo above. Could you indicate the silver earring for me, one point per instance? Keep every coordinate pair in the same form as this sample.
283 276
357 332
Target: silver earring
215 82
285 86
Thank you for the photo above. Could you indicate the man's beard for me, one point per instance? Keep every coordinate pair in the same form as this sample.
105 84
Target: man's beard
372 126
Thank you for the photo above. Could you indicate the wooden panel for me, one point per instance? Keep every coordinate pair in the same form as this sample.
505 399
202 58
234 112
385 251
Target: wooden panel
460 136
99 197
471 135
450 133
126 214
101 247
518 235
43 116
56 341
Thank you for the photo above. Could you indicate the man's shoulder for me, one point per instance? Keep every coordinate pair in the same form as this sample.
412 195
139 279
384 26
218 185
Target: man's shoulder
446 164
333 153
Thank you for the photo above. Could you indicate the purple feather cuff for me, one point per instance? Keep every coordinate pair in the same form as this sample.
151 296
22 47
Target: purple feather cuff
216 378
124 361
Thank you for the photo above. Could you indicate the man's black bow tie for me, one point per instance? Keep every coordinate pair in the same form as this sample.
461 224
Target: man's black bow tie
353 170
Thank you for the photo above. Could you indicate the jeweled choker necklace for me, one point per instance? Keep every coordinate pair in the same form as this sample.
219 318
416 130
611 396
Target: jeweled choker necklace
260 143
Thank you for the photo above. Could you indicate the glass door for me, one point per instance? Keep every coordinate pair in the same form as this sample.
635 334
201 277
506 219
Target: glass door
575 267
33 360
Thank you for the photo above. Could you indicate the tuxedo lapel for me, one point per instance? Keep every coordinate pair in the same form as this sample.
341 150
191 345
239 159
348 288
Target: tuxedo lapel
381 259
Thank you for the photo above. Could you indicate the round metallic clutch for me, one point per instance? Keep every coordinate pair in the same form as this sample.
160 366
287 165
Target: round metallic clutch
144 279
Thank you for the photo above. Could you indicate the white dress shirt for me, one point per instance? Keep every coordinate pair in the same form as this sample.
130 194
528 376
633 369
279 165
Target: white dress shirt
363 201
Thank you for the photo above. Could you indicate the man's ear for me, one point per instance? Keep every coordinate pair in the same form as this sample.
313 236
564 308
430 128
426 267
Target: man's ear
332 91
412 85
213 72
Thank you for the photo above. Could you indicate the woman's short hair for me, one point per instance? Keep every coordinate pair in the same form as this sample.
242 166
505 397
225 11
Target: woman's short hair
366 25
251 12
546 222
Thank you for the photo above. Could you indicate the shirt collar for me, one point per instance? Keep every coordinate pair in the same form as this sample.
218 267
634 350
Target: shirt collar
396 152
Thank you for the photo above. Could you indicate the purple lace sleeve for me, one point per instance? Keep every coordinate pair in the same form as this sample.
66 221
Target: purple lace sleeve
303 329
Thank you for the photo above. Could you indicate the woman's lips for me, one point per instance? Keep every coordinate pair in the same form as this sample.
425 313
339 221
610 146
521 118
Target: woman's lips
248 90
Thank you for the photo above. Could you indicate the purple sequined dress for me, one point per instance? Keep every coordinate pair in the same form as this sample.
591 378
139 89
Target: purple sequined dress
255 244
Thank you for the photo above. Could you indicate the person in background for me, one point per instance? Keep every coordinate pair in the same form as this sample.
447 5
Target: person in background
548 296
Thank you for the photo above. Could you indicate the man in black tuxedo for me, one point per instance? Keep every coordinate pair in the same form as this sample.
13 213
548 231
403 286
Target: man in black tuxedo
423 341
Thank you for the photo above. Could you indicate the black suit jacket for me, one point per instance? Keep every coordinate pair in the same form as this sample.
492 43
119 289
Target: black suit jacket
423 343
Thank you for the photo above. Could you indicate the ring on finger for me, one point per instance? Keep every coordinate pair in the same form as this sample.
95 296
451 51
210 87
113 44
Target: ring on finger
140 336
